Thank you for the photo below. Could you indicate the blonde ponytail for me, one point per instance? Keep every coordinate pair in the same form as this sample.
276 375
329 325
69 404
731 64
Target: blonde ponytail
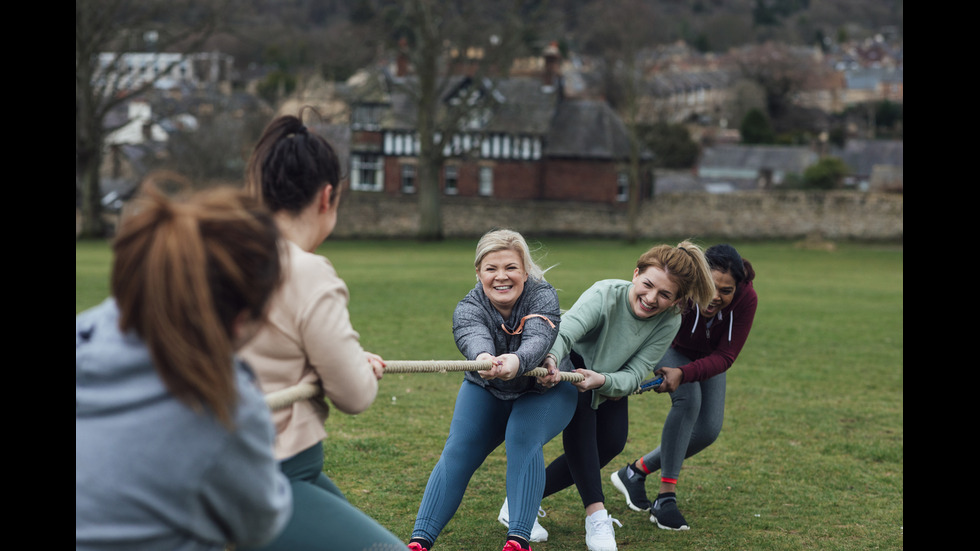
687 266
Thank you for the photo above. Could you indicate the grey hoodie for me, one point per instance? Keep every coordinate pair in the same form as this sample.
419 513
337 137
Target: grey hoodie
478 327
151 473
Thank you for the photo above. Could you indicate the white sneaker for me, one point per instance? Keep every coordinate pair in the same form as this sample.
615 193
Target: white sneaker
538 533
599 533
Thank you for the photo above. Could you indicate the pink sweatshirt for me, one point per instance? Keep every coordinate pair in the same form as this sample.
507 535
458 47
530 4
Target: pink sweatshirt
309 338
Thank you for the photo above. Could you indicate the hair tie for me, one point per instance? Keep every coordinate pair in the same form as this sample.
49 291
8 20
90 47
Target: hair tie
296 132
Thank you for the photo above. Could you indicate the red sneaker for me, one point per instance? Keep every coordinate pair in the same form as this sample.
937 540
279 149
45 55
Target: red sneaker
512 545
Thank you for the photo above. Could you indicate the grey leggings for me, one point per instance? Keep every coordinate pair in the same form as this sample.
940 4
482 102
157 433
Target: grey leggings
693 423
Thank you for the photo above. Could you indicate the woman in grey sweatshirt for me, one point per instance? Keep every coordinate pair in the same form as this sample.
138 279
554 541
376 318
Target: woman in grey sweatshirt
173 440
511 319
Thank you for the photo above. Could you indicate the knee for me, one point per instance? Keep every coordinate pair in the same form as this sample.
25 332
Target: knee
705 434
609 449
714 430
686 403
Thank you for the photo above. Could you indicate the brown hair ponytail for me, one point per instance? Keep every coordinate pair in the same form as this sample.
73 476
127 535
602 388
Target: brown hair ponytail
290 164
183 274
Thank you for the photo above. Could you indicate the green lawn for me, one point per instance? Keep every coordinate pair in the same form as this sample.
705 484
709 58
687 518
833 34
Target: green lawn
811 455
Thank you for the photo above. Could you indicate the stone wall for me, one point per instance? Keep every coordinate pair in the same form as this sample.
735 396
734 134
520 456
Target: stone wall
835 215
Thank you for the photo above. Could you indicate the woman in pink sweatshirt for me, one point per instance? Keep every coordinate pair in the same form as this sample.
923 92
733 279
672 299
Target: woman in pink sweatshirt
309 337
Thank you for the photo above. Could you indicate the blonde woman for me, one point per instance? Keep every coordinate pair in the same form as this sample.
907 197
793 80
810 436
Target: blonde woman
511 319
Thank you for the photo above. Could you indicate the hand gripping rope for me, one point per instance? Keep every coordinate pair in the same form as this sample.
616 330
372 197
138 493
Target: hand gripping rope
290 395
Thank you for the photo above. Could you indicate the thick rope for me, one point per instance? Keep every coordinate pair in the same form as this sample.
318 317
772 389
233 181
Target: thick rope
565 375
435 366
283 398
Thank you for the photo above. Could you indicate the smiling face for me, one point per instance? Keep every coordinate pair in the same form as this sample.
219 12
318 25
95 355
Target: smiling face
724 291
653 292
502 275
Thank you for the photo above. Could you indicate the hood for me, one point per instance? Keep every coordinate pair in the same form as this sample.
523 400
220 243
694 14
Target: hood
725 315
113 370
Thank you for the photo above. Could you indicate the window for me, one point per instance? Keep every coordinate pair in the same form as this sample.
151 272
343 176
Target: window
366 173
622 187
451 177
486 181
408 178
367 116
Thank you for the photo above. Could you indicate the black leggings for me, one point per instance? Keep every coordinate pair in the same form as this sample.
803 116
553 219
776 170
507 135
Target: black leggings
592 439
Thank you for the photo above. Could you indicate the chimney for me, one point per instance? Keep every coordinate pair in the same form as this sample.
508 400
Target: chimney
401 65
552 65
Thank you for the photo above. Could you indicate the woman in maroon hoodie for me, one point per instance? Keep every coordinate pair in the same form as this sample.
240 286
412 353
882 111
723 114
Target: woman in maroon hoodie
693 370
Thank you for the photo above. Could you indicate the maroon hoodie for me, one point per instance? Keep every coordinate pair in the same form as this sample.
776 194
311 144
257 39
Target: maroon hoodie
713 350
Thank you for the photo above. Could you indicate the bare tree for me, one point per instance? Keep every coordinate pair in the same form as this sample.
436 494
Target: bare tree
621 30
781 71
445 40
105 30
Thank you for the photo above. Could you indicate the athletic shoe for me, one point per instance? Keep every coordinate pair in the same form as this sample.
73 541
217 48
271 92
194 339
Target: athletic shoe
415 546
633 487
512 545
667 516
538 533
599 532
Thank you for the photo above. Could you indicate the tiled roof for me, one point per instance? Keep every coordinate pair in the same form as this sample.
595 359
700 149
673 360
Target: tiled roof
587 129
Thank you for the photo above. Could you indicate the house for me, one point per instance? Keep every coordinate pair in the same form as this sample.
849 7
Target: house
747 167
869 84
522 139
163 70
876 165
137 128
682 96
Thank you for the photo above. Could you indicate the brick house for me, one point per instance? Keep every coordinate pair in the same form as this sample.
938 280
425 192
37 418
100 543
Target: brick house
524 140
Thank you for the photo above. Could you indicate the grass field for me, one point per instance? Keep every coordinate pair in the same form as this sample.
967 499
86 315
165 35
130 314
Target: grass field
811 454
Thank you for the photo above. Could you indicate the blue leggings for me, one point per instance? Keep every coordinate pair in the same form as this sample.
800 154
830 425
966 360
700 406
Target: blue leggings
481 422
696 413
322 517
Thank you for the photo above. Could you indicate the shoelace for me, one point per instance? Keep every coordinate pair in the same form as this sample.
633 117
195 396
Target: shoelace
604 527
541 512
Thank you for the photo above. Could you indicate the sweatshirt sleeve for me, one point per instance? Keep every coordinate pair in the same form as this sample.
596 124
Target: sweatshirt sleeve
471 329
627 379
243 491
539 335
333 347
583 317
723 356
